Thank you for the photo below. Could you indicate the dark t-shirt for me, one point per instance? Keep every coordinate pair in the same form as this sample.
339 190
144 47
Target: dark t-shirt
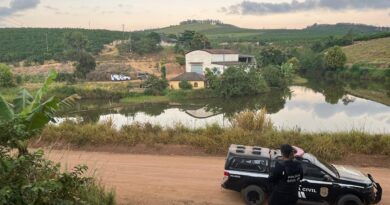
285 177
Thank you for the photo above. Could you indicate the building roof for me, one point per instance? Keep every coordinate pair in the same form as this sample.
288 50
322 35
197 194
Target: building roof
190 76
220 51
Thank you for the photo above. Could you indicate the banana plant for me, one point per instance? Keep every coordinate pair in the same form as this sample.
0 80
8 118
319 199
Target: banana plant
28 115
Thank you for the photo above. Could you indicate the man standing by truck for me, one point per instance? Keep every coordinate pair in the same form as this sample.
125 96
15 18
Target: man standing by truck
285 178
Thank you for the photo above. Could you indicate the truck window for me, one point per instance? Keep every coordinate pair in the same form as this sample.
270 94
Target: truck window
312 172
252 165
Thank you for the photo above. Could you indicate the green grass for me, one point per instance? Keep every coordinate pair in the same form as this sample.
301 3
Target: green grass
138 99
248 129
86 90
374 52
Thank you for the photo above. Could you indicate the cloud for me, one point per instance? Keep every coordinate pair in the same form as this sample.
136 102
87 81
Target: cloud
259 8
17 6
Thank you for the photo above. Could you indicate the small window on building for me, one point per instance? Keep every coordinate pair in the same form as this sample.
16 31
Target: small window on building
196 85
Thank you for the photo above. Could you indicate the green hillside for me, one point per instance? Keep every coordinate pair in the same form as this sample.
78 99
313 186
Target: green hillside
30 43
17 44
229 33
374 52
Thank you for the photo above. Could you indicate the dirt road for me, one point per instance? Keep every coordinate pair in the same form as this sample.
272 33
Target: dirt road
159 180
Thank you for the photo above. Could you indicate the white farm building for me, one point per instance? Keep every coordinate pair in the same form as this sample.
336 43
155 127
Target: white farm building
220 59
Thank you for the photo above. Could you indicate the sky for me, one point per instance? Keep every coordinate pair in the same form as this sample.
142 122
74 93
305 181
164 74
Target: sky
146 14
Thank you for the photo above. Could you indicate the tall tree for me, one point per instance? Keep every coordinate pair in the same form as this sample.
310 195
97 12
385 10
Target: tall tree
272 56
191 40
76 45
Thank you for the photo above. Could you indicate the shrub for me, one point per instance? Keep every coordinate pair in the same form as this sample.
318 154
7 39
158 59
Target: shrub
155 86
237 81
185 85
31 179
6 78
311 61
255 121
296 65
66 77
273 76
271 55
335 58
19 79
180 60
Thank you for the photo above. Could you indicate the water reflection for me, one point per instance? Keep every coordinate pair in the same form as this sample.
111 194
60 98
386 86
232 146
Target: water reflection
310 111
318 107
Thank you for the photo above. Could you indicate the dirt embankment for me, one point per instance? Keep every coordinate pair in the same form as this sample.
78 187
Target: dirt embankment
160 180
109 61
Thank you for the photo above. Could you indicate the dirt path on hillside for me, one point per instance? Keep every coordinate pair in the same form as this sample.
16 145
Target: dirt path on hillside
160 180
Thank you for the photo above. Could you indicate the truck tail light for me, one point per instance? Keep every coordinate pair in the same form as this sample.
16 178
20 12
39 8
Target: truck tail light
226 174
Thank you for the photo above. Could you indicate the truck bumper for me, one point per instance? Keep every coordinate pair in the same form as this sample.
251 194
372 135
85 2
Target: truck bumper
377 195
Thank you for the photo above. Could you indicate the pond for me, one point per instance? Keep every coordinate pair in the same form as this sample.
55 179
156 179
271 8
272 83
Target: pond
303 108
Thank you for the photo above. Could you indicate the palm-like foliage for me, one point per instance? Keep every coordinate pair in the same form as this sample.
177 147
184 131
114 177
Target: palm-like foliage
28 115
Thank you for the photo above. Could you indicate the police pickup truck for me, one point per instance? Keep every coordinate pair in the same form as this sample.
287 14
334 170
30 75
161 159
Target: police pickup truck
247 169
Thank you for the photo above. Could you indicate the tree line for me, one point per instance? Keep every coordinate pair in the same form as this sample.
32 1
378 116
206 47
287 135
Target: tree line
36 45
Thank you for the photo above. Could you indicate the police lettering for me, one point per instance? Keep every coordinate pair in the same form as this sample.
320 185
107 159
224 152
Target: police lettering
309 190
293 178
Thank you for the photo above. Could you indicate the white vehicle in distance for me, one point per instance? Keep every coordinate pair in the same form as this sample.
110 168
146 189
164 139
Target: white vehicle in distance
121 77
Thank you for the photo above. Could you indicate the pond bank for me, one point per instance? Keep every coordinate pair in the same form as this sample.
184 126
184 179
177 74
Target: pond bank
214 139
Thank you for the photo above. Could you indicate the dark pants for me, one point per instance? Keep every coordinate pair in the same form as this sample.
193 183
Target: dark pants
283 199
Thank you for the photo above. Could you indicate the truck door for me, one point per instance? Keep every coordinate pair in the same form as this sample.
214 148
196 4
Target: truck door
316 186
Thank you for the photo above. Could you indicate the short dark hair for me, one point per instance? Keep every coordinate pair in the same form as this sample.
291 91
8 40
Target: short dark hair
286 150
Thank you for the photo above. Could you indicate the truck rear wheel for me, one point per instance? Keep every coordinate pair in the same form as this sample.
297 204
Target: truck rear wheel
349 199
253 195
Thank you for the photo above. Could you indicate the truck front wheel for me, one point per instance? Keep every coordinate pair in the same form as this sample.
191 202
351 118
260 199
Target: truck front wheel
349 199
253 195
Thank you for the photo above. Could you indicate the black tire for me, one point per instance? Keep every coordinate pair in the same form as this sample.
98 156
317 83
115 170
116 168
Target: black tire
349 199
253 195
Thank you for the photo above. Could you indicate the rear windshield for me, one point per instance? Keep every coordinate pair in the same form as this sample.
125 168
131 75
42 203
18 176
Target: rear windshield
251 165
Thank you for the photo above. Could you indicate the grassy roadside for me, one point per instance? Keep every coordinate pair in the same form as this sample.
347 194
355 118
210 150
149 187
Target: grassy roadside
248 128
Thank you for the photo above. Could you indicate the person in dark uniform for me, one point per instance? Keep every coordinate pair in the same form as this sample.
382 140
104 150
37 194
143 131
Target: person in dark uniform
285 178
